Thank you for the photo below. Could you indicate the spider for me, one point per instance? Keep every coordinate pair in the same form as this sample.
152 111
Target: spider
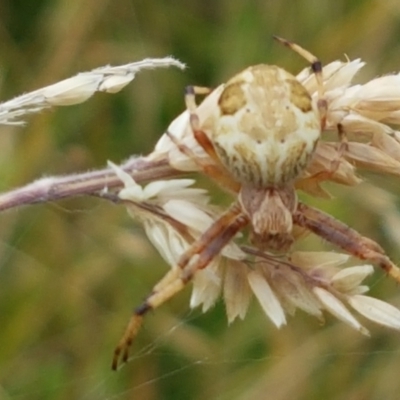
259 142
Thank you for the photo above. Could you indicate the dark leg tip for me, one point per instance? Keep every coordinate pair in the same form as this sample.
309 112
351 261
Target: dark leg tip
142 309
282 40
189 90
316 66
114 364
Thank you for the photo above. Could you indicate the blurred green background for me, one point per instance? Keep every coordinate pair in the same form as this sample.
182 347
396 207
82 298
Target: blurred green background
71 272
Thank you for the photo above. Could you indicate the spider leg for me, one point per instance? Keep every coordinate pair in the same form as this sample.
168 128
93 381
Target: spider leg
316 67
328 174
214 169
200 136
344 237
197 257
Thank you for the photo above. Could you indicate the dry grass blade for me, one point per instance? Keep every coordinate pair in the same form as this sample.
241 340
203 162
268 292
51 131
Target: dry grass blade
79 88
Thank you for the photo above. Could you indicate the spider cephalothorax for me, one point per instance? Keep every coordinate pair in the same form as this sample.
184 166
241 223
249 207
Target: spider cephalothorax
259 139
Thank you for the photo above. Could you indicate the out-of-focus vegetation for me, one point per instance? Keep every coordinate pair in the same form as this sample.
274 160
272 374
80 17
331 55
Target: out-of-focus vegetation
71 272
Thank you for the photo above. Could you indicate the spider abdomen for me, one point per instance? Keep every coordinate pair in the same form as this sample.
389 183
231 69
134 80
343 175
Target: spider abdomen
267 126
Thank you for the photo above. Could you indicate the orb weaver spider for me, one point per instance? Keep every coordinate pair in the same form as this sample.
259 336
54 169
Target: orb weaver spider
261 139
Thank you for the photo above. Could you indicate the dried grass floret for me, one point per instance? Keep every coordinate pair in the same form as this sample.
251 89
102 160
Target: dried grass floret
78 89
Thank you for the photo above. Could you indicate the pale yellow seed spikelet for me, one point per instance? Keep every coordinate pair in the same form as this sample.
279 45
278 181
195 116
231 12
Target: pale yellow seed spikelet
71 91
336 75
160 191
376 310
342 76
176 188
294 292
372 158
267 298
379 94
169 243
236 290
337 308
115 83
348 279
189 214
79 88
384 139
207 285
126 179
318 259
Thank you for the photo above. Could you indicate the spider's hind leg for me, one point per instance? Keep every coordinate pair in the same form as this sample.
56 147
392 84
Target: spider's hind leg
344 237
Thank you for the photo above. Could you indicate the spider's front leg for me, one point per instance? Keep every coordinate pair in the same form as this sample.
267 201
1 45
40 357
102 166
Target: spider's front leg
344 237
329 171
211 166
197 257
316 67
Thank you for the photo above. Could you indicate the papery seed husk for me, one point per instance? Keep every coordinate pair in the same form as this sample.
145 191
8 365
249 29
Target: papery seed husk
237 292
267 298
376 310
337 308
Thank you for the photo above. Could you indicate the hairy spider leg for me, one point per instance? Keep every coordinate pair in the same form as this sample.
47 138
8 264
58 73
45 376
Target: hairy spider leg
338 233
327 175
213 169
197 257
322 104
191 105
316 67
